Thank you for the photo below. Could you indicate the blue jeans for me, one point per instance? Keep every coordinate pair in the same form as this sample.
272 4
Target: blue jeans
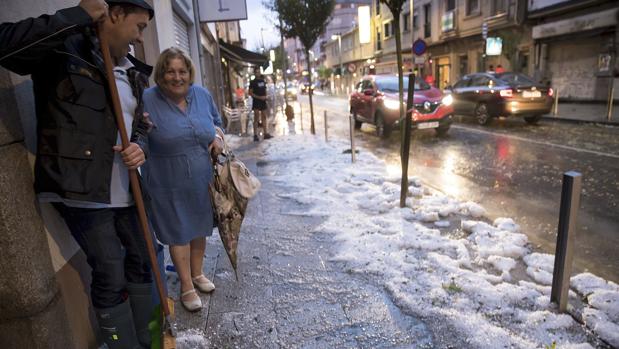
115 249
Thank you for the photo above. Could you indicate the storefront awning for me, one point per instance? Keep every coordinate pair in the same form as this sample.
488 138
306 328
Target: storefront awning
241 55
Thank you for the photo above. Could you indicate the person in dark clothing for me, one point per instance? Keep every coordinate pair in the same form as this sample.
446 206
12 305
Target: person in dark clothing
80 168
258 93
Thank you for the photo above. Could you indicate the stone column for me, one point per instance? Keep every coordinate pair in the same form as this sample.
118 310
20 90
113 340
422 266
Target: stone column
32 312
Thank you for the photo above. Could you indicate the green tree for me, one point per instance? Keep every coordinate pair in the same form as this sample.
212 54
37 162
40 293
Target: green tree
511 39
305 20
280 56
324 72
395 6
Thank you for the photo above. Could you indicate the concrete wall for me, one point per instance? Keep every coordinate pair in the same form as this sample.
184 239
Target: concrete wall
36 276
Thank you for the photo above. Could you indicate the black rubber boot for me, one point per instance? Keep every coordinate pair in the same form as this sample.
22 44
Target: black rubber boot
116 325
142 306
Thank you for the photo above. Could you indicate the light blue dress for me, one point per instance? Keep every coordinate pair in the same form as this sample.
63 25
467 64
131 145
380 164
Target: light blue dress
178 168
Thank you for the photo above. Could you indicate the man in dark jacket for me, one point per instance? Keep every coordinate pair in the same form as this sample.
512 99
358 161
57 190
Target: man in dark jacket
80 167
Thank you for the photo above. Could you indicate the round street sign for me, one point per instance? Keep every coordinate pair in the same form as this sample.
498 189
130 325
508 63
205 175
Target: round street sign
419 47
351 68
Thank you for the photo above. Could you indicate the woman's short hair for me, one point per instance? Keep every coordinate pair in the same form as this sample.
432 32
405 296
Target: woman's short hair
163 62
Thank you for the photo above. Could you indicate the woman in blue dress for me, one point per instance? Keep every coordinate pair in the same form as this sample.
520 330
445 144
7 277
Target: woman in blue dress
186 133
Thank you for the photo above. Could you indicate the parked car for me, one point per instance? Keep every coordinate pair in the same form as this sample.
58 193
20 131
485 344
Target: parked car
376 101
292 91
488 95
305 86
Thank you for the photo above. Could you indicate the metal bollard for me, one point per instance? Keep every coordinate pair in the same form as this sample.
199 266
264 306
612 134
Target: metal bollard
570 200
555 105
301 116
326 130
352 138
611 97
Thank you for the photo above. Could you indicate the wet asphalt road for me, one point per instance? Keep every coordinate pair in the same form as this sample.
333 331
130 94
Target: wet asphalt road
514 170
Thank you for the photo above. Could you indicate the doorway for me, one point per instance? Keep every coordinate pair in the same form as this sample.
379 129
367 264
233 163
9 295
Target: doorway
443 71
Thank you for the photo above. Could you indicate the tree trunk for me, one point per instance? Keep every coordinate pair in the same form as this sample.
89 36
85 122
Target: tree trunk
405 121
310 91
285 67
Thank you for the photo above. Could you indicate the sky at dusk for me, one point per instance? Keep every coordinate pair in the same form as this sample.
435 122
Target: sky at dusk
258 17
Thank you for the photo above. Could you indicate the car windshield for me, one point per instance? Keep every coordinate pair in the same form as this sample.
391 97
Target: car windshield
390 84
516 78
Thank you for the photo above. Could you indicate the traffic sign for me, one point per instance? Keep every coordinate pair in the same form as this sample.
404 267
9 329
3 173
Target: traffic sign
419 47
351 68
420 60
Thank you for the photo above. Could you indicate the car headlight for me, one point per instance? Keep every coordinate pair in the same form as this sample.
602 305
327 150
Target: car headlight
447 100
391 104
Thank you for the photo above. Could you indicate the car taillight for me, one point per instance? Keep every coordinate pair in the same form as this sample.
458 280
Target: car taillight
551 92
506 93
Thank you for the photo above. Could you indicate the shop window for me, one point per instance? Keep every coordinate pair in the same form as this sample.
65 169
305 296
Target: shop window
464 65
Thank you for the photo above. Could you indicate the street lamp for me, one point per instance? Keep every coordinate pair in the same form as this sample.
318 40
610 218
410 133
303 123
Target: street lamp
339 43
262 39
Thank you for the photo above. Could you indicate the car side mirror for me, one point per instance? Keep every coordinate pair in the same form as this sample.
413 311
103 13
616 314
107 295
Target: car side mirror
368 92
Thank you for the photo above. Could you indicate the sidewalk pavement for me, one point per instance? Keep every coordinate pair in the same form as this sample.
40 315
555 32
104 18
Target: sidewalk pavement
585 112
285 299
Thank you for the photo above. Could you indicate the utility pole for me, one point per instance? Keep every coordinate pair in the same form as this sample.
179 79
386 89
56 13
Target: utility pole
285 67
339 45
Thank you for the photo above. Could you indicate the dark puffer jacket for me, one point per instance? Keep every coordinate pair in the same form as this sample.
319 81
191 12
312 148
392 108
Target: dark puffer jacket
76 128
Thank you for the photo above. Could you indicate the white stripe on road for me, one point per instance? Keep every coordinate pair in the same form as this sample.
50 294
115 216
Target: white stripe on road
523 139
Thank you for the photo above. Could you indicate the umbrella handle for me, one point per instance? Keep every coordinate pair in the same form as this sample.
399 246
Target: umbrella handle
133 174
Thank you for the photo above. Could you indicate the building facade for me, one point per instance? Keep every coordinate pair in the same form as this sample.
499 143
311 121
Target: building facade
44 289
575 46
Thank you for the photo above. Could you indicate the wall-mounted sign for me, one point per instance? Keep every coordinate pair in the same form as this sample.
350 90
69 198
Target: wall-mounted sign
494 46
222 10
351 68
363 13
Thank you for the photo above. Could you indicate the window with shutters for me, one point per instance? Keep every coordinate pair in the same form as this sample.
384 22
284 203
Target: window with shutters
181 33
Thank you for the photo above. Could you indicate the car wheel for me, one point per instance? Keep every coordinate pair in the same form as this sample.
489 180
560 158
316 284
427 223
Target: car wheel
532 120
442 130
481 114
382 130
357 122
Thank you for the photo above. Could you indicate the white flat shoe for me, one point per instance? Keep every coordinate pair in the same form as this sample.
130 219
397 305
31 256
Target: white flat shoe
203 284
192 305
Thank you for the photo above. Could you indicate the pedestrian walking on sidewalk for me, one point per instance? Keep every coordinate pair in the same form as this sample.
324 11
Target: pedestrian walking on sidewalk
185 135
258 93
80 167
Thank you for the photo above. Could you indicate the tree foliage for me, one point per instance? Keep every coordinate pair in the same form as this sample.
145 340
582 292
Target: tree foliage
395 6
305 20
